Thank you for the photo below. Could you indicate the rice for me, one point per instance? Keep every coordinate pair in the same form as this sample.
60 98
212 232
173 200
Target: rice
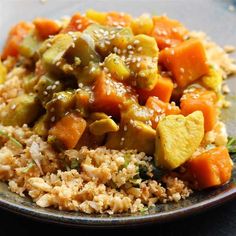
104 182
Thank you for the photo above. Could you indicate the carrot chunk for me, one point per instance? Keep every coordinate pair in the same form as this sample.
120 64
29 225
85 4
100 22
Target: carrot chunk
15 37
77 23
187 61
201 100
68 130
159 107
109 95
163 90
211 168
168 32
118 19
46 27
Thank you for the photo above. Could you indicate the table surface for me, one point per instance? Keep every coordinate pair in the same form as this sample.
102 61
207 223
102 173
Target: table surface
218 221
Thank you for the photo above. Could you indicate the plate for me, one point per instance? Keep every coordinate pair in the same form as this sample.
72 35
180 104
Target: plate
209 16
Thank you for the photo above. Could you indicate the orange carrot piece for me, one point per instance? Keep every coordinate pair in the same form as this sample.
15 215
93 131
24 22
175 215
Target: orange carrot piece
159 107
68 130
15 37
187 61
201 100
109 95
167 32
46 27
77 23
117 18
211 168
163 90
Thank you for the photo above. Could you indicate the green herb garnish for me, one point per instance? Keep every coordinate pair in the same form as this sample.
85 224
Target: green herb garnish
231 145
28 167
13 140
74 164
127 158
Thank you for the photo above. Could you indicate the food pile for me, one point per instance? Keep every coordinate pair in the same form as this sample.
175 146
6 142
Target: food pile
105 113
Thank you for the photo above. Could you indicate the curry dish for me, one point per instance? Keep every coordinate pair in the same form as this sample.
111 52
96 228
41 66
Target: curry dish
106 113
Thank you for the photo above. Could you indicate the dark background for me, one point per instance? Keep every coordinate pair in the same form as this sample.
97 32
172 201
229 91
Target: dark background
218 221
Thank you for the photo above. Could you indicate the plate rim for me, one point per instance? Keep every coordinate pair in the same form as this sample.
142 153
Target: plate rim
121 221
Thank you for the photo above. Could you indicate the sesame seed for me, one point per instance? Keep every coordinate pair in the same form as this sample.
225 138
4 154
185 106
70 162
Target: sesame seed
136 42
57 83
80 85
115 49
182 70
53 119
138 65
140 49
58 63
54 87
123 58
45 93
79 26
124 51
175 30
13 107
164 33
106 33
139 59
167 41
134 60
112 36
142 74
129 47
49 87
125 128
105 69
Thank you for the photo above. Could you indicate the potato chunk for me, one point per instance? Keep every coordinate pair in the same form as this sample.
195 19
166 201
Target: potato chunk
134 135
177 139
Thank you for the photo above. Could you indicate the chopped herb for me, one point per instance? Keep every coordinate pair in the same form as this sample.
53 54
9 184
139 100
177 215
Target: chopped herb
74 164
28 167
127 158
145 209
13 140
135 182
231 145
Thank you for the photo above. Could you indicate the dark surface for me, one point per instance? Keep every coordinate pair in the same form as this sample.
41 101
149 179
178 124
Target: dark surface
219 221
